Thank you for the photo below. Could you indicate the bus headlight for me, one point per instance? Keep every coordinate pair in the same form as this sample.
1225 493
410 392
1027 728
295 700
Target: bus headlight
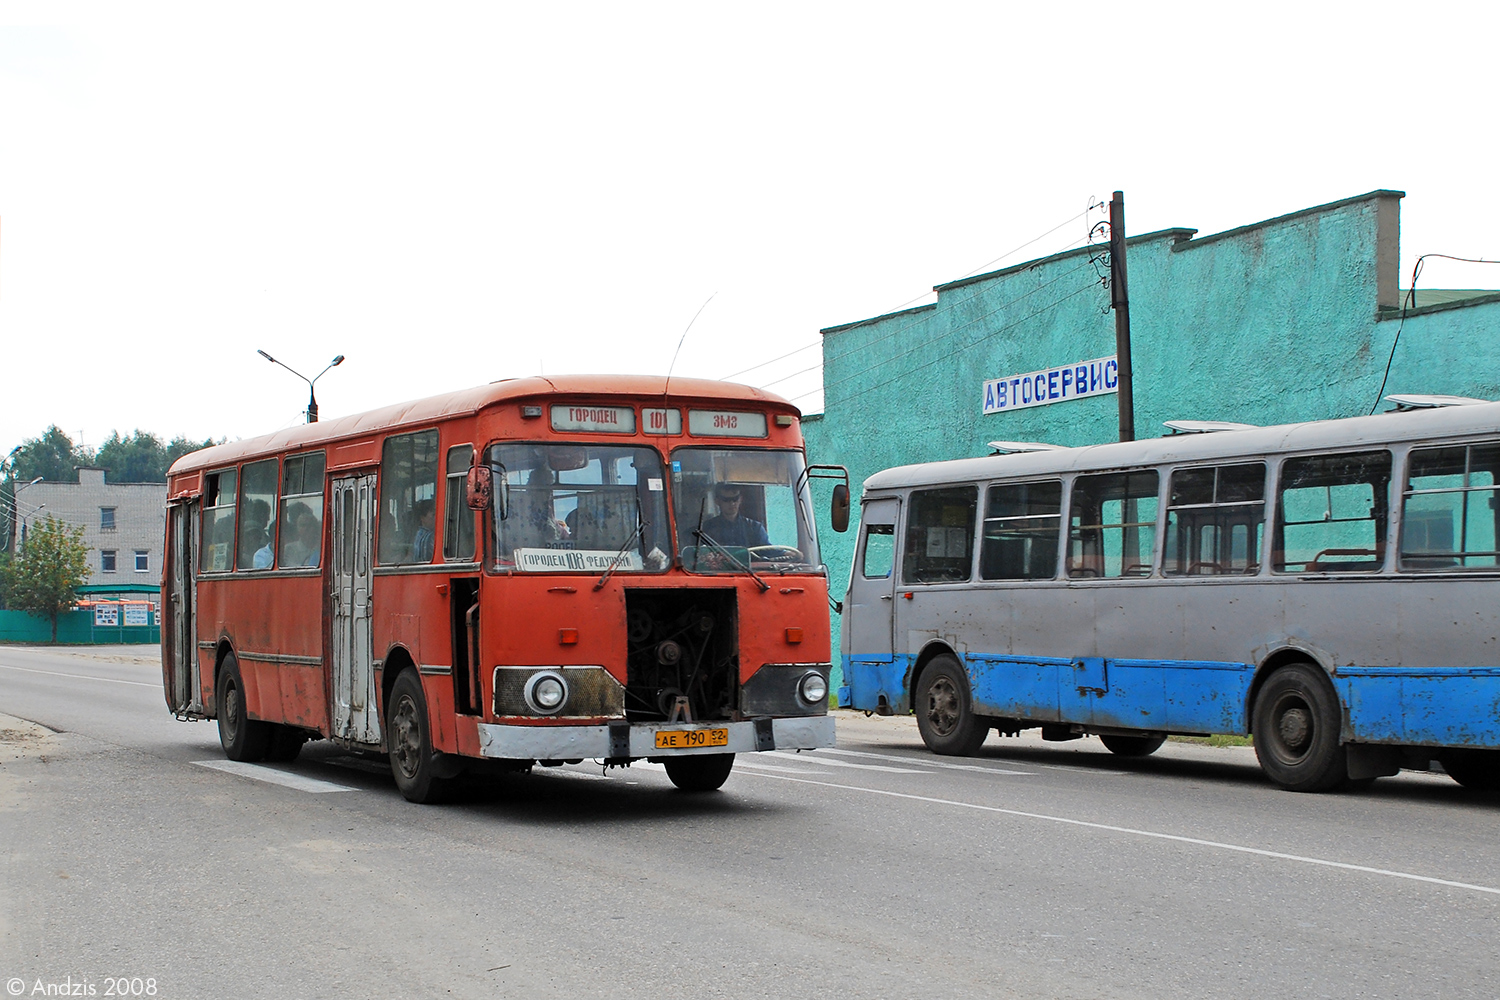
545 692
812 688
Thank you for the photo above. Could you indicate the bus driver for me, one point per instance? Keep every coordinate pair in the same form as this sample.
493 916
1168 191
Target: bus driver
728 527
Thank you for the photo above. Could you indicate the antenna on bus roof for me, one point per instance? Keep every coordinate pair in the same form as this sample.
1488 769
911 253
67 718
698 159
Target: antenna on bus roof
1019 447
1406 402
668 384
1205 426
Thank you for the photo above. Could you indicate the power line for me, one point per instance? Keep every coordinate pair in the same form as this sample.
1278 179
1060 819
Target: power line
1052 305
1009 253
944 335
912 324
1411 302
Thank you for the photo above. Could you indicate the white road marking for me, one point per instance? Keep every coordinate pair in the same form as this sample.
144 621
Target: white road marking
271 776
923 763
1217 845
844 763
757 765
81 677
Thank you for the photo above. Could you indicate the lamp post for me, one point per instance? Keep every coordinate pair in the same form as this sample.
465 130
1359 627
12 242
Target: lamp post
312 399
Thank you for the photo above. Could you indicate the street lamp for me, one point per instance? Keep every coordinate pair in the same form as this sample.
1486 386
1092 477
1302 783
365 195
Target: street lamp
312 400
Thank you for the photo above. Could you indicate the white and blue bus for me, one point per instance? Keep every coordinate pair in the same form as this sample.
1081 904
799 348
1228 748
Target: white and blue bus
1331 587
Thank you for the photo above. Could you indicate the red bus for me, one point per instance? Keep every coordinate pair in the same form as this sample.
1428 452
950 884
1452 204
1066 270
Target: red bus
536 570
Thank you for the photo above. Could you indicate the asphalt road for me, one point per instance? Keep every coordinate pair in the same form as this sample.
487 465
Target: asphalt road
873 870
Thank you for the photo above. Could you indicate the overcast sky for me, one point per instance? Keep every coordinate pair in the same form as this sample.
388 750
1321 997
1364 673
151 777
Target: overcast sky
507 189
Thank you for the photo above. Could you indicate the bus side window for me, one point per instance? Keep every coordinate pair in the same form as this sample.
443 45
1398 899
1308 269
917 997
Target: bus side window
1022 522
1331 513
302 510
940 535
1215 518
408 497
879 555
218 522
1113 525
1448 513
257 515
458 519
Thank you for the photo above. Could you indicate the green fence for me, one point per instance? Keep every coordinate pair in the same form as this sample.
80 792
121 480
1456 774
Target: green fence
77 628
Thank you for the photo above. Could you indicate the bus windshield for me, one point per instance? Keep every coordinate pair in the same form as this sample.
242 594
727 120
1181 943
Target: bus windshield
581 508
742 508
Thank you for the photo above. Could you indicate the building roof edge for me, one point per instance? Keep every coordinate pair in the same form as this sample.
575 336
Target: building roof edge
1300 213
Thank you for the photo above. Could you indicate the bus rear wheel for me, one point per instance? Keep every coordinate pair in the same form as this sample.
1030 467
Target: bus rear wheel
945 714
408 734
1476 770
1132 746
1297 730
700 772
243 738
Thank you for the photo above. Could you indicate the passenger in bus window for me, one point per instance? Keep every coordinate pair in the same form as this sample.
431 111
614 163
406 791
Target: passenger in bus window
255 536
306 543
728 527
421 543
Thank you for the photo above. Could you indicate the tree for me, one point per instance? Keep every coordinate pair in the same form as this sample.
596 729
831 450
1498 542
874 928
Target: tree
53 456
5 561
139 458
45 578
180 446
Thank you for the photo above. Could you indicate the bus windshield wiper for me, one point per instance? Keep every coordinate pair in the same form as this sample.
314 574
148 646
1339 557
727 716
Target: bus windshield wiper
615 562
704 536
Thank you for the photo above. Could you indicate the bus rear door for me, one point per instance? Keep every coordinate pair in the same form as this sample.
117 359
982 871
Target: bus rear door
356 706
184 690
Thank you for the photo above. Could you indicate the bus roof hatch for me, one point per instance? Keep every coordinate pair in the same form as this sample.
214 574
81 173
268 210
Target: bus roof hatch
1205 426
1412 401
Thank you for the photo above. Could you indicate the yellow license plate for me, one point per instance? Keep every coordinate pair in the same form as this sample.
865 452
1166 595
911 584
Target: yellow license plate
687 739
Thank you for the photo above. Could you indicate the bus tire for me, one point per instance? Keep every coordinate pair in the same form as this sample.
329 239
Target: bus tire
414 763
1132 746
285 743
243 738
945 712
1476 770
1297 730
700 772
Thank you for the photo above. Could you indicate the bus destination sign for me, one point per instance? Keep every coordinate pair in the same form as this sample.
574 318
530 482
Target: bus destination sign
598 419
1052 385
726 423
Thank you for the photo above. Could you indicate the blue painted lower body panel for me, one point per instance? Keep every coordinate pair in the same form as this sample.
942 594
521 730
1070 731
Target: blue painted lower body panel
877 682
1431 706
1170 695
1419 706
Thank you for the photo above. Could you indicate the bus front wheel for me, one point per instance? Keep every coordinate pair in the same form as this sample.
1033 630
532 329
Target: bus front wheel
701 772
945 714
1132 746
408 735
1297 730
243 738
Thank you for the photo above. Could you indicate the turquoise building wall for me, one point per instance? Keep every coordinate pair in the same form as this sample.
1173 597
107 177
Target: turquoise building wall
1284 320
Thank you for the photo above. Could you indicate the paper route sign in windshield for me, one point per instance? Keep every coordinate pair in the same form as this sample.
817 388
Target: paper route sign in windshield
574 560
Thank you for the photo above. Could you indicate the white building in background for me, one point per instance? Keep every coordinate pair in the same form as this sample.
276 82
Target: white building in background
123 524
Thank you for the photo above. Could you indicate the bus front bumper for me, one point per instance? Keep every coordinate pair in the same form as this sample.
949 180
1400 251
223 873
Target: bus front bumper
624 740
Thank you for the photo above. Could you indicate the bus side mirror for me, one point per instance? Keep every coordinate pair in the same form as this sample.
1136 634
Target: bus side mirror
479 489
840 512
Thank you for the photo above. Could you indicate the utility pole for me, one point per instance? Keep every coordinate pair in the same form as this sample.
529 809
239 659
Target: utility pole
1119 301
